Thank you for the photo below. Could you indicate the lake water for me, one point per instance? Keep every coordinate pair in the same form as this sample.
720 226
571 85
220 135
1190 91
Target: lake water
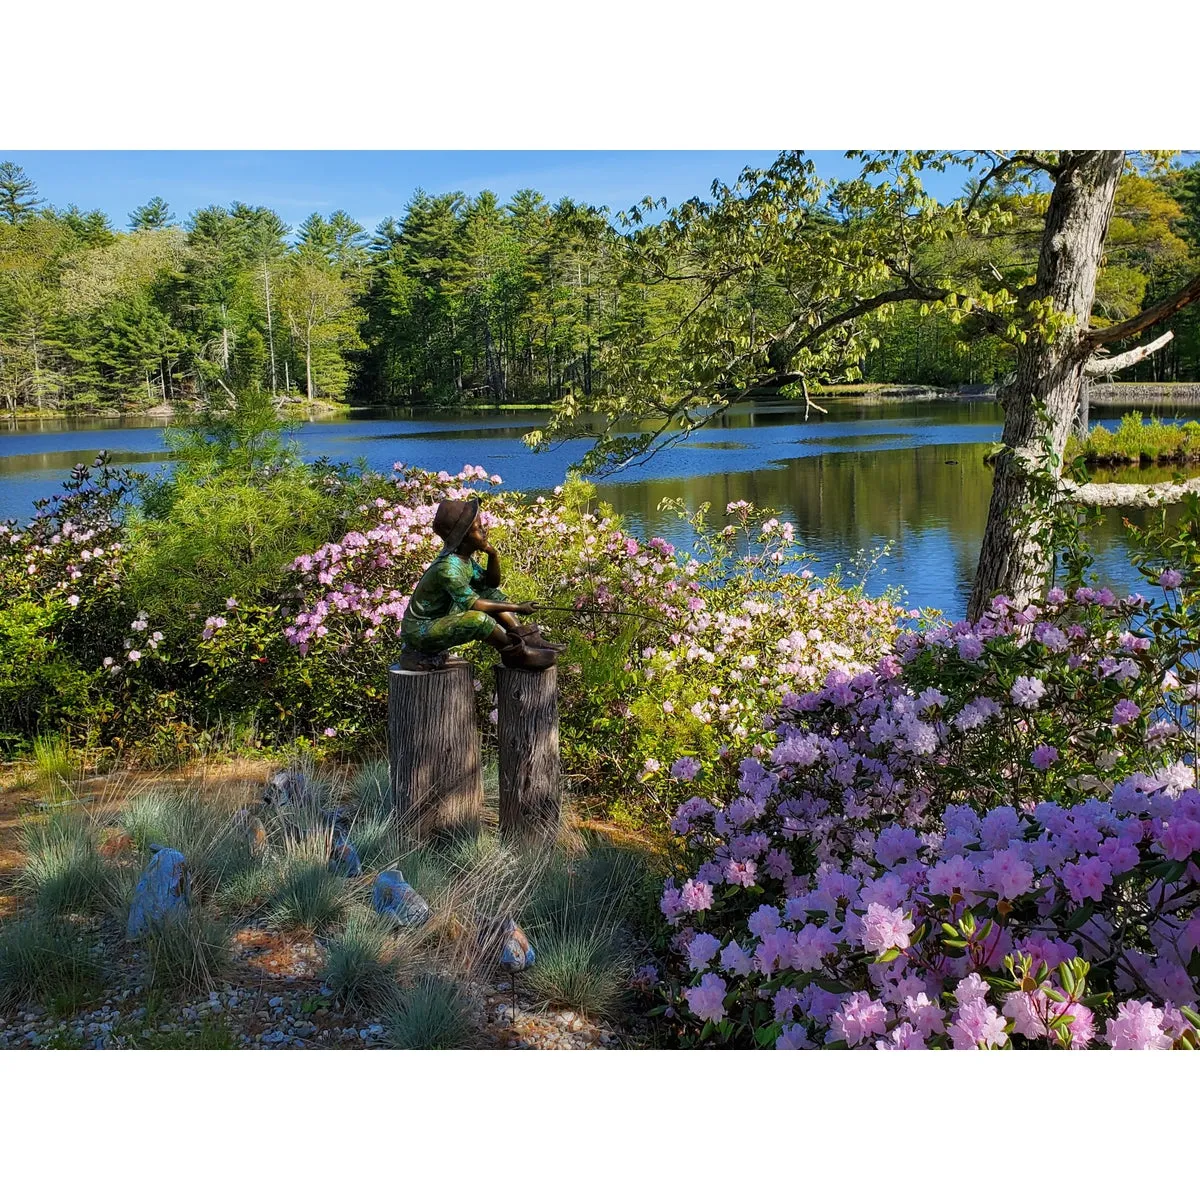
910 472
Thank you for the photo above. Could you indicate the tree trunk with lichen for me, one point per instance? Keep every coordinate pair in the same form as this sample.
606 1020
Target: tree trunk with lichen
1042 401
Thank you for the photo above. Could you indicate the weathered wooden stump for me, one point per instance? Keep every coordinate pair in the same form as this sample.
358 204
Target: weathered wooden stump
433 748
530 802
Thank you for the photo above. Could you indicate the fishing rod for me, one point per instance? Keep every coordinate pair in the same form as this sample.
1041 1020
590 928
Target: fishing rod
595 611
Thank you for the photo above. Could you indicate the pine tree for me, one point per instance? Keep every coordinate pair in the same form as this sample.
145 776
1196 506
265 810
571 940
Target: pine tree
154 214
18 194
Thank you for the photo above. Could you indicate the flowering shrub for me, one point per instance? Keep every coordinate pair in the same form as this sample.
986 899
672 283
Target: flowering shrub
671 653
989 839
748 625
60 580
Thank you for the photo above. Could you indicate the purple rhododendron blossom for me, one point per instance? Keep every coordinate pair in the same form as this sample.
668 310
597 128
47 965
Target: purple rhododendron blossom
707 1000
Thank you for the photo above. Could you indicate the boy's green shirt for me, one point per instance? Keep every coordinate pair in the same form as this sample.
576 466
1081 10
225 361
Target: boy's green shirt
451 585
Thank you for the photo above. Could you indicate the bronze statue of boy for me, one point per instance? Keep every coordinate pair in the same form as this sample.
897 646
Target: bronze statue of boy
457 601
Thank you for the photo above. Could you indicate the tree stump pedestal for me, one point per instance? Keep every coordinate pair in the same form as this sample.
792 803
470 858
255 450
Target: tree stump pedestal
433 748
530 799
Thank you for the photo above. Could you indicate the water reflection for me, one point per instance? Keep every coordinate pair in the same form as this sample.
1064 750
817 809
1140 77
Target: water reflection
868 472
933 510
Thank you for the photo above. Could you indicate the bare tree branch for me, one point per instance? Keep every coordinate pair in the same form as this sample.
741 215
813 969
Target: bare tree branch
808 400
1101 365
1129 495
1002 164
1188 294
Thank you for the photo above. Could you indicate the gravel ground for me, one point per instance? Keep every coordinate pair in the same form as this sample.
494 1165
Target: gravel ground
285 1007
298 1018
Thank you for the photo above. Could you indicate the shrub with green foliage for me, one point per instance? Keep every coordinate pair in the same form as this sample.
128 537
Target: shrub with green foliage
1136 440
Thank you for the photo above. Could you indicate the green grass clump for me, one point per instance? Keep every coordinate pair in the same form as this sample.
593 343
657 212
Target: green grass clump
46 962
53 766
214 1033
376 839
603 887
1136 440
188 952
578 917
582 970
427 872
62 868
360 963
307 896
432 1013
371 789
245 891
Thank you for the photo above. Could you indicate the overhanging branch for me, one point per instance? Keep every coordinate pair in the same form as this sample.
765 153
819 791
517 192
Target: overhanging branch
1129 495
1188 294
1099 365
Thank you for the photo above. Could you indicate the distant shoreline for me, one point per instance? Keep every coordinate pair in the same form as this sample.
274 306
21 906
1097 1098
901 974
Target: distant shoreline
1108 395
1100 395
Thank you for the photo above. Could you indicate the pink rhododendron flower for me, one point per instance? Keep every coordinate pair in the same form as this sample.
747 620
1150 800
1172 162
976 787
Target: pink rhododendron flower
701 950
685 768
885 929
971 988
1027 691
857 1019
793 1037
735 960
707 1000
1137 1026
1007 874
977 1026
903 1037
1044 757
696 897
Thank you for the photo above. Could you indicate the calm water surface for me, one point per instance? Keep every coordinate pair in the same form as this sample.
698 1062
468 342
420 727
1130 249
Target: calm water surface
909 472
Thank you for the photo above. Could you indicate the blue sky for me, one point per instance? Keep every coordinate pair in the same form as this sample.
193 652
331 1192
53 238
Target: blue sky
373 184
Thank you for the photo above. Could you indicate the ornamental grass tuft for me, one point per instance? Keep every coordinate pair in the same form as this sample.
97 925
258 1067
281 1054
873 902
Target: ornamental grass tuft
46 961
187 953
360 963
586 971
62 869
432 1013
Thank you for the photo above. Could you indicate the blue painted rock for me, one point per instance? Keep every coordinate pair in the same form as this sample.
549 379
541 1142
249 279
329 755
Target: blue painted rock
516 954
395 898
343 857
161 892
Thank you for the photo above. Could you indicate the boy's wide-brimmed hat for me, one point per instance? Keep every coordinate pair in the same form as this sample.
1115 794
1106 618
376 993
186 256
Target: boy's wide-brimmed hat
453 520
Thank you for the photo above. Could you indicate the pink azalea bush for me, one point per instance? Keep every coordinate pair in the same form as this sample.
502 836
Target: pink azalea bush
904 864
61 574
674 654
